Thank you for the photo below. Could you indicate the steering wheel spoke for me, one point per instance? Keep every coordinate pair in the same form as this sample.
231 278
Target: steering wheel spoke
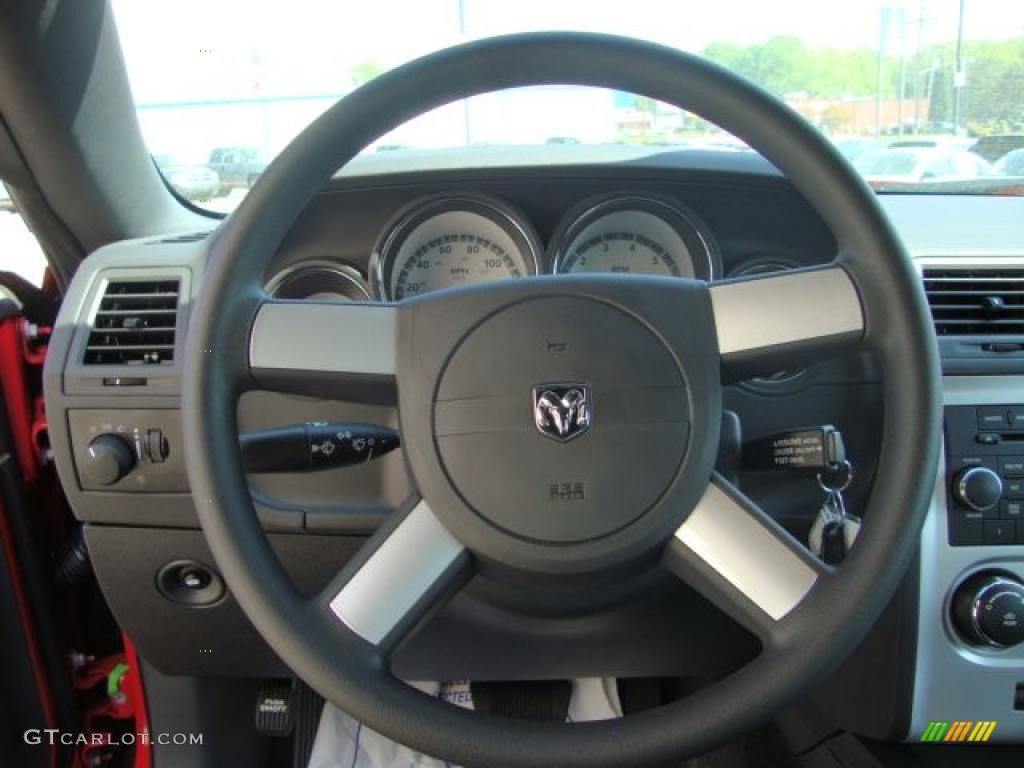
341 350
740 559
780 321
411 566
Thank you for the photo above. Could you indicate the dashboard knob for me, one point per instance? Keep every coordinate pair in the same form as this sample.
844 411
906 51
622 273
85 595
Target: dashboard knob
988 609
108 459
978 488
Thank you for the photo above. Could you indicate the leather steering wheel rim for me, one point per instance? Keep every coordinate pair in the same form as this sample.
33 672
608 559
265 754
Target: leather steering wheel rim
352 673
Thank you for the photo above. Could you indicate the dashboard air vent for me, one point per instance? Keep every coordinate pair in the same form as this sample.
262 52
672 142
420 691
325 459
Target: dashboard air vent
134 324
976 302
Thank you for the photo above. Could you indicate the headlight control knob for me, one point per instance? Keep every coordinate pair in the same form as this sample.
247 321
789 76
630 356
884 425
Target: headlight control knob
108 459
988 609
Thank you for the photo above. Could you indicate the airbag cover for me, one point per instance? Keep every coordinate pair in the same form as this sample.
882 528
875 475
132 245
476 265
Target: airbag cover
537 486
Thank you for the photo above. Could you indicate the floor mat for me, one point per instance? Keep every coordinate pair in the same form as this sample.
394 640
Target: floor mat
342 742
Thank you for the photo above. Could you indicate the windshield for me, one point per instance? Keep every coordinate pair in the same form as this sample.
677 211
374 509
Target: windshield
886 163
221 87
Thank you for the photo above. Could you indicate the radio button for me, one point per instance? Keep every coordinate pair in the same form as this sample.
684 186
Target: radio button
1011 465
995 417
999 532
1015 488
1012 509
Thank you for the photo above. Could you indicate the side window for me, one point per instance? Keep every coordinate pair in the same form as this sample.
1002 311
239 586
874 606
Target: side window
19 250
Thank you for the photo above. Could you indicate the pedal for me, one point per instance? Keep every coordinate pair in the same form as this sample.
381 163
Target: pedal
274 710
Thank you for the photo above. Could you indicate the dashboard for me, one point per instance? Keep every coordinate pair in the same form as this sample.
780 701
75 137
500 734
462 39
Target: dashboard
392 228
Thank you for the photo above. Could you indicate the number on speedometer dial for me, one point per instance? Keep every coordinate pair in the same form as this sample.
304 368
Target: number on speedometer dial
455 259
625 252
455 242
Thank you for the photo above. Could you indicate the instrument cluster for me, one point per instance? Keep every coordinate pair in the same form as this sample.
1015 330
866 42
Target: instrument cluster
451 240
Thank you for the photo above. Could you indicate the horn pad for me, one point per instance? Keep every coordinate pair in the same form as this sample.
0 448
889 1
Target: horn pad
561 425
561 419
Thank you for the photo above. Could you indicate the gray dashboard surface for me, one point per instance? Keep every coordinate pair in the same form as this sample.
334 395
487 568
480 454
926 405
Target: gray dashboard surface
958 225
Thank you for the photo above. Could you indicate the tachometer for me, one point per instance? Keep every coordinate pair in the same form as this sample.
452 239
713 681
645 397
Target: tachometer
454 241
634 234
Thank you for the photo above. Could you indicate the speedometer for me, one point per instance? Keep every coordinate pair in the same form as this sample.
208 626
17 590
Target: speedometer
634 234
454 241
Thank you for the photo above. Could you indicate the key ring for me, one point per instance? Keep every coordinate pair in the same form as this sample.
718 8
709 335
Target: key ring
842 470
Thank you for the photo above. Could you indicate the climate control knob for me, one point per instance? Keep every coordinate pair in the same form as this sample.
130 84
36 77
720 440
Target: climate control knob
988 609
978 488
108 459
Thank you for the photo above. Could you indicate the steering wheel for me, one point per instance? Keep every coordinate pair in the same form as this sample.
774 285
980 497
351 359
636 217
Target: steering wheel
630 367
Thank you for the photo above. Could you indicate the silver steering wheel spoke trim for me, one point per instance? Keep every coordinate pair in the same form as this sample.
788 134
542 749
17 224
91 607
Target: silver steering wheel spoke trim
341 350
747 550
786 318
355 338
408 572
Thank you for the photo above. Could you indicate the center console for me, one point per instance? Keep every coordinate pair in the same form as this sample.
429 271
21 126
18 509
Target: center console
970 643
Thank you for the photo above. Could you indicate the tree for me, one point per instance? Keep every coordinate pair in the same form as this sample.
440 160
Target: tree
365 72
994 89
993 95
785 65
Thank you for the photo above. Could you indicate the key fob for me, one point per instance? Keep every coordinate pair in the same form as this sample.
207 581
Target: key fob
833 542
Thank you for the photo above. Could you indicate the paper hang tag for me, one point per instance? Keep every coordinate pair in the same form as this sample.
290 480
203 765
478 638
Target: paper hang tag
807 451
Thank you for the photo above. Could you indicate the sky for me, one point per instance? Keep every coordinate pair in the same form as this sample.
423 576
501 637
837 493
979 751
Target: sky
182 49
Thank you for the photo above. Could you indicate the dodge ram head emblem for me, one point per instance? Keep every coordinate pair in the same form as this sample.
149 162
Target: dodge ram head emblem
561 411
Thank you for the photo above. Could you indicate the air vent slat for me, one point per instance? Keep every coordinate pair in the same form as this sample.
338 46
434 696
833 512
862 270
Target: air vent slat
972 292
974 321
156 296
976 302
970 275
134 324
103 312
148 328
966 307
131 347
